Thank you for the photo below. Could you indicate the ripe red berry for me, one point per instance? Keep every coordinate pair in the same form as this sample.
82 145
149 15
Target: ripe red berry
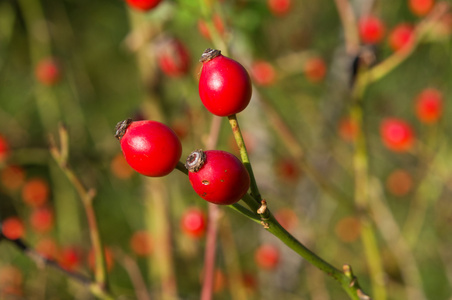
263 73
4 149
348 129
267 257
224 85
150 147
194 222
348 229
13 228
429 105
287 170
48 248
371 29
41 219
279 7
397 135
401 36
173 58
47 71
12 177
141 243
70 258
217 176
420 7
315 69
35 192
143 5
399 182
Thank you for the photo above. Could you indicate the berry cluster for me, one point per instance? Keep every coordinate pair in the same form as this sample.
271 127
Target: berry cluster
153 149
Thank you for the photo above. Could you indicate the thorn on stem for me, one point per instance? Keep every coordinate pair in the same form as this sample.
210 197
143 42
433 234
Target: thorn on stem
263 207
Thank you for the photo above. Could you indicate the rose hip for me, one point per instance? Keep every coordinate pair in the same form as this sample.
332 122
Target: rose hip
217 176
150 147
224 85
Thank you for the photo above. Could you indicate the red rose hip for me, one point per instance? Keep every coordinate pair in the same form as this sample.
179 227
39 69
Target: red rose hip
150 147
217 176
224 85
143 5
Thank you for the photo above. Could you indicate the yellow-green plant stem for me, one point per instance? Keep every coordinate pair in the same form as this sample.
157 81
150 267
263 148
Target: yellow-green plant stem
368 236
244 155
61 155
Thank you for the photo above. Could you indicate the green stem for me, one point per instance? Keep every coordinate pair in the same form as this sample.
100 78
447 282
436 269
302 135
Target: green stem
244 155
368 236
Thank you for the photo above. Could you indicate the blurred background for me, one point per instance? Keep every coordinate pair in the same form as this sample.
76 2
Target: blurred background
87 65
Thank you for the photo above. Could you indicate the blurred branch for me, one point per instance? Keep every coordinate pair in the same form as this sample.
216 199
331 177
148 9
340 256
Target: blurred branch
420 33
134 273
60 154
390 231
349 25
297 152
42 261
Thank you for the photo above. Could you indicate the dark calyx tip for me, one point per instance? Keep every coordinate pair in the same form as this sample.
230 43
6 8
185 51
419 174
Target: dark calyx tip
195 160
209 54
121 128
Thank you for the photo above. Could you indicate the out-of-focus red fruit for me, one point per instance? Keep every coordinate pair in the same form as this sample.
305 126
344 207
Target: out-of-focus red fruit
315 69
70 258
250 282
267 257
399 182
402 35
204 29
371 29
174 58
11 280
348 229
12 177
4 149
194 222
420 7
219 281
41 219
143 5
429 106
120 168
397 135
48 248
287 218
348 129
263 73
48 72
141 243
287 170
13 228
108 254
35 192
279 7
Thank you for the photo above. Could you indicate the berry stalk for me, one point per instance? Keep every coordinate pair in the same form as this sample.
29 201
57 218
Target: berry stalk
244 155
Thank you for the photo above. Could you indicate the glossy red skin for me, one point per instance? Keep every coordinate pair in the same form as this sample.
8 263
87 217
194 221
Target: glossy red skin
174 60
224 86
194 222
397 135
151 148
143 5
222 179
